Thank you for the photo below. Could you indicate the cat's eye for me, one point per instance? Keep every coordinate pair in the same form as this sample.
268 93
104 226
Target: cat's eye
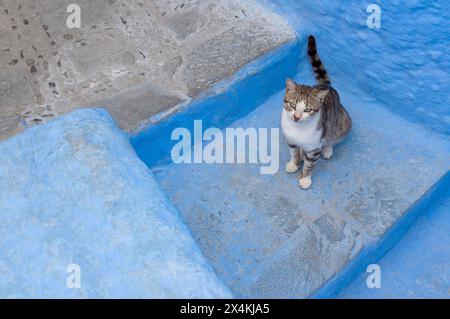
308 110
291 105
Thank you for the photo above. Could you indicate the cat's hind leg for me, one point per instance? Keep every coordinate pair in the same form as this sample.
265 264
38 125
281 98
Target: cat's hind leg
294 163
327 152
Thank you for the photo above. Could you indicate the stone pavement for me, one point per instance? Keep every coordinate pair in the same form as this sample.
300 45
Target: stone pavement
136 58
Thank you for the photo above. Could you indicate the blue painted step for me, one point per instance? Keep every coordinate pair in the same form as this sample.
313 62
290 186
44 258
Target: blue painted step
73 192
419 265
267 238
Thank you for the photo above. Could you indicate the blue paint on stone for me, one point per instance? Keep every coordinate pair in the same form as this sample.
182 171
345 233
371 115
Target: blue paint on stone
73 191
383 201
419 265
224 103
265 237
403 65
407 268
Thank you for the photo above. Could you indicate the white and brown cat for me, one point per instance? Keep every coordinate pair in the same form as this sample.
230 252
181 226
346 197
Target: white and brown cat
313 120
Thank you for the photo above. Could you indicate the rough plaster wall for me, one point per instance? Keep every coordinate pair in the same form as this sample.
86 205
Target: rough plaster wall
404 65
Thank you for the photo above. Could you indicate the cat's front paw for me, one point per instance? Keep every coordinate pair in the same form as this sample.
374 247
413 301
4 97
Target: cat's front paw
305 182
327 152
292 167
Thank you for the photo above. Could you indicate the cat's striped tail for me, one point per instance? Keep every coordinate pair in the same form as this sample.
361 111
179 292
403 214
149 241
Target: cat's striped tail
317 65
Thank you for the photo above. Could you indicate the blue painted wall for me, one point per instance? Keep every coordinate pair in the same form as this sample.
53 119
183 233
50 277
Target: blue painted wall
404 65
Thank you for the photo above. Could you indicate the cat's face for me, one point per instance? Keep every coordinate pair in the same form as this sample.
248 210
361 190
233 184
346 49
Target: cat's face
302 102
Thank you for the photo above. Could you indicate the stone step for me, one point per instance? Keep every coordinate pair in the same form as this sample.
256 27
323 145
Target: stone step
266 238
82 217
419 265
135 58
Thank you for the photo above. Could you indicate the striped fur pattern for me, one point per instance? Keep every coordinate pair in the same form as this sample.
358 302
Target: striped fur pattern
313 119
316 62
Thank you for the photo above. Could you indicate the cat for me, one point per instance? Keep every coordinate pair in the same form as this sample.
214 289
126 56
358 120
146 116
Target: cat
313 120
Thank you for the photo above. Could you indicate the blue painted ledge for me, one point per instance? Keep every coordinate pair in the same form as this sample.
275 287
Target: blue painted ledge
238 97
73 191
224 103
372 254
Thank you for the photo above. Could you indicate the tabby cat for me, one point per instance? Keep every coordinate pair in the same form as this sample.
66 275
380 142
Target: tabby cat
313 120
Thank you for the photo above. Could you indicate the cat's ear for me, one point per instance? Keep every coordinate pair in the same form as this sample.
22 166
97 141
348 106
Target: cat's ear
290 85
321 94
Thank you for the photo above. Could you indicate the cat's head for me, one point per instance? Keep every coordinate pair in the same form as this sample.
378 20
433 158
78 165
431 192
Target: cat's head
302 102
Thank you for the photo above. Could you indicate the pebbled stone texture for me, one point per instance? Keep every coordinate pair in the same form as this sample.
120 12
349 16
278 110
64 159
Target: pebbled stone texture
177 49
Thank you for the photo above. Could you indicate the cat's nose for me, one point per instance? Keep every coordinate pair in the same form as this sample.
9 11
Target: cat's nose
296 118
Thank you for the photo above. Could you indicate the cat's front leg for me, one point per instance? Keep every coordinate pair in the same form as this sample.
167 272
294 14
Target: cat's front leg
327 151
294 163
310 160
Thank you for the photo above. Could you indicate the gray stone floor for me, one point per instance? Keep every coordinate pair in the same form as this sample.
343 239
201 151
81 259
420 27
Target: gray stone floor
136 58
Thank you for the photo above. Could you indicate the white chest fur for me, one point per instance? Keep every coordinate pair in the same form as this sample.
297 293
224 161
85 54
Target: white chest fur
304 134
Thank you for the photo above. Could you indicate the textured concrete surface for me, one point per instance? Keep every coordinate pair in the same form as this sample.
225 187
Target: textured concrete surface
73 191
136 58
267 238
419 266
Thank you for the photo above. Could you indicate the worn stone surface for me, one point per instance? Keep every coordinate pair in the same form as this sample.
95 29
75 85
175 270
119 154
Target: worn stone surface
418 266
176 49
15 90
16 95
133 107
